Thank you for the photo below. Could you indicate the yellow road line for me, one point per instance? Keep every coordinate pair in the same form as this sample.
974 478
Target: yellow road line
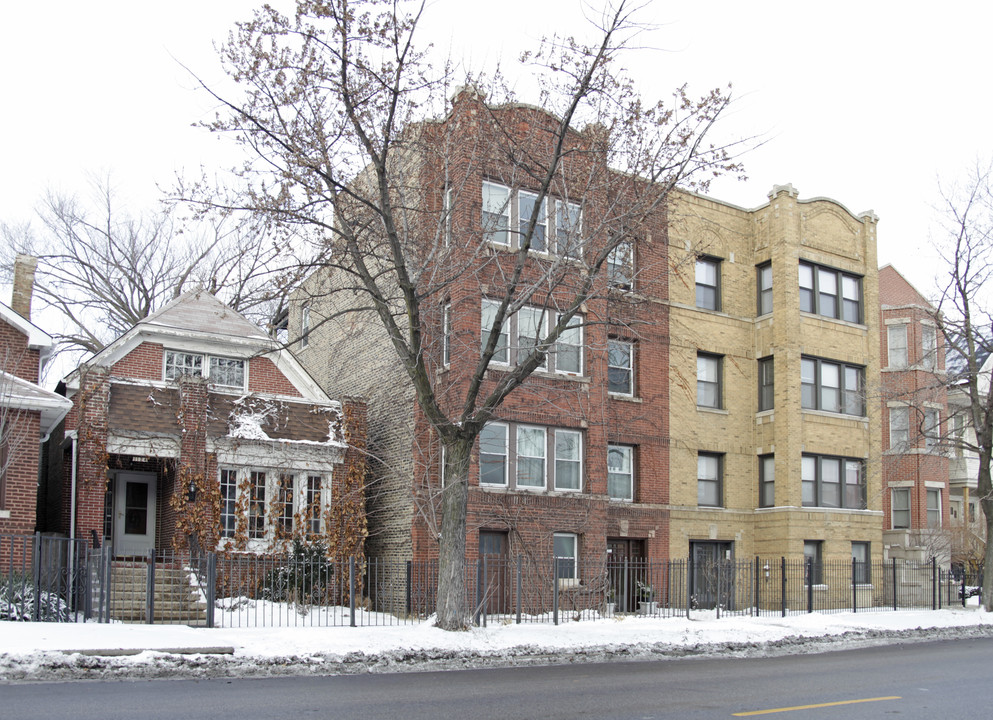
811 707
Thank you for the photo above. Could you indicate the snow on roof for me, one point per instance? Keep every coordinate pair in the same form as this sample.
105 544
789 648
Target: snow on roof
19 394
37 338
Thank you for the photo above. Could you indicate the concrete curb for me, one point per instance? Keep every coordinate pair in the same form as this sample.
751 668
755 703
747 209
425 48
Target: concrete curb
122 652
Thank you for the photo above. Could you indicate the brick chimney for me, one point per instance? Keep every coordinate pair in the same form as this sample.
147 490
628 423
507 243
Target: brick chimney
24 266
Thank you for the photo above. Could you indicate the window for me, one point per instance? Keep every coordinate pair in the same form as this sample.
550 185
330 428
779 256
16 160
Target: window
284 498
496 213
569 348
767 481
834 482
900 508
831 293
566 551
899 428
708 283
304 326
226 372
568 229
620 472
446 335
229 491
517 456
708 380
568 460
814 561
896 346
528 326
501 352
620 366
765 289
526 202
958 434
861 569
932 428
620 266
493 454
929 347
447 207
314 509
767 388
832 387
933 508
178 364
256 504
222 372
531 448
531 329
709 480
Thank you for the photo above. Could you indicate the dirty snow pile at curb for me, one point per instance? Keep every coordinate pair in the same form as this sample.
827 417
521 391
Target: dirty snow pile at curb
44 651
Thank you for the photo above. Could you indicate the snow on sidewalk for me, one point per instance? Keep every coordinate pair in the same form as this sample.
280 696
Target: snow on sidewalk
45 650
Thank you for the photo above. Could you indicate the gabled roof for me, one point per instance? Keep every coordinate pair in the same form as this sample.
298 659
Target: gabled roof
19 394
895 289
199 322
38 339
200 312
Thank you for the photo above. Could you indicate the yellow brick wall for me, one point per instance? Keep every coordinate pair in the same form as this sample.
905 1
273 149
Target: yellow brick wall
785 230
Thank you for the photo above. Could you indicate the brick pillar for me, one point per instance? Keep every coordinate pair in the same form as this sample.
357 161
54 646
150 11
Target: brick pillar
91 407
24 267
193 461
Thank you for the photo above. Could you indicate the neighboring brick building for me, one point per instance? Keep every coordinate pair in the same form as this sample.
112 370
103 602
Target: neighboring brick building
195 423
914 423
774 448
28 412
576 463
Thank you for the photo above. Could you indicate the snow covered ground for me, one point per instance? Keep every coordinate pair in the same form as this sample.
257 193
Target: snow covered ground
49 651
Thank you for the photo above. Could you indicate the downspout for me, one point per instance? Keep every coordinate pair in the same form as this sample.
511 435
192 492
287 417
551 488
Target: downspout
72 492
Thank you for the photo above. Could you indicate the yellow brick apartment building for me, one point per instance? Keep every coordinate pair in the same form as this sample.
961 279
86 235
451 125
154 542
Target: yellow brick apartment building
774 380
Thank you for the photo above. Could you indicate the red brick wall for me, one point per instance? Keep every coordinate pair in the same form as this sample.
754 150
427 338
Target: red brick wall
19 489
15 357
265 377
145 362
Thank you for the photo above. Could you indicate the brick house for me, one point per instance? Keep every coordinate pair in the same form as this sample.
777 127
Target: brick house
774 441
196 424
575 464
28 412
914 424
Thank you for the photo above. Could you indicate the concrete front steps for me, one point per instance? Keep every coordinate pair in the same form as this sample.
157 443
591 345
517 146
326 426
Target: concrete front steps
176 598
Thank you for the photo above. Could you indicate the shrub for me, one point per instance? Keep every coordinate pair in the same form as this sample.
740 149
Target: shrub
305 577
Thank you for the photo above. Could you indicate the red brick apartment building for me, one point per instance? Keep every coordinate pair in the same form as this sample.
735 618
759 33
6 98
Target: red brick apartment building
196 424
575 463
915 418
28 412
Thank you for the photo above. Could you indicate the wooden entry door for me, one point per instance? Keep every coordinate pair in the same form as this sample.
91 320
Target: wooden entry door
134 513
495 553
625 565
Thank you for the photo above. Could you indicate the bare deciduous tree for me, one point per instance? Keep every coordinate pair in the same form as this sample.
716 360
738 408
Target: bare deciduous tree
332 114
104 268
966 319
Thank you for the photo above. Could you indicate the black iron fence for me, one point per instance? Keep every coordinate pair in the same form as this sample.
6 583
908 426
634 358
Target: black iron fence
53 579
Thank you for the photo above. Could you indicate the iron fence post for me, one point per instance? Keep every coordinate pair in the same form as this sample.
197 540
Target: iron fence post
410 574
479 590
894 583
782 590
555 591
211 587
934 582
810 584
755 595
483 597
108 556
150 587
351 590
36 572
854 600
689 584
963 586
717 600
518 588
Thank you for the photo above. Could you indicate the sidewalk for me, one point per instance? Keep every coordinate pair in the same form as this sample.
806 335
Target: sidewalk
30 651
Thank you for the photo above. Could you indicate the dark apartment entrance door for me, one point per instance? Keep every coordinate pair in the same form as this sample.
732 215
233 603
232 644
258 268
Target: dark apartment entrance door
494 551
625 566
712 574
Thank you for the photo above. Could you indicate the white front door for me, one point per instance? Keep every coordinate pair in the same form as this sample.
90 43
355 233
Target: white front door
134 513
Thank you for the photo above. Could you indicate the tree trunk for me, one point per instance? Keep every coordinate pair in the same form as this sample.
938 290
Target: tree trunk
453 603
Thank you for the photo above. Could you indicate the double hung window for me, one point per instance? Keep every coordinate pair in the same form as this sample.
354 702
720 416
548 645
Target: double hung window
220 371
900 508
767 481
709 369
830 293
620 367
620 266
709 474
832 386
521 333
507 215
896 346
765 289
530 457
767 386
708 283
835 482
620 472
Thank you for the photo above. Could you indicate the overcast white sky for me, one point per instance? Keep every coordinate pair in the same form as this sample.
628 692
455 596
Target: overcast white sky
868 103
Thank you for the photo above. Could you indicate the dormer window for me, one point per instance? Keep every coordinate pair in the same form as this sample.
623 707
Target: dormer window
220 371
